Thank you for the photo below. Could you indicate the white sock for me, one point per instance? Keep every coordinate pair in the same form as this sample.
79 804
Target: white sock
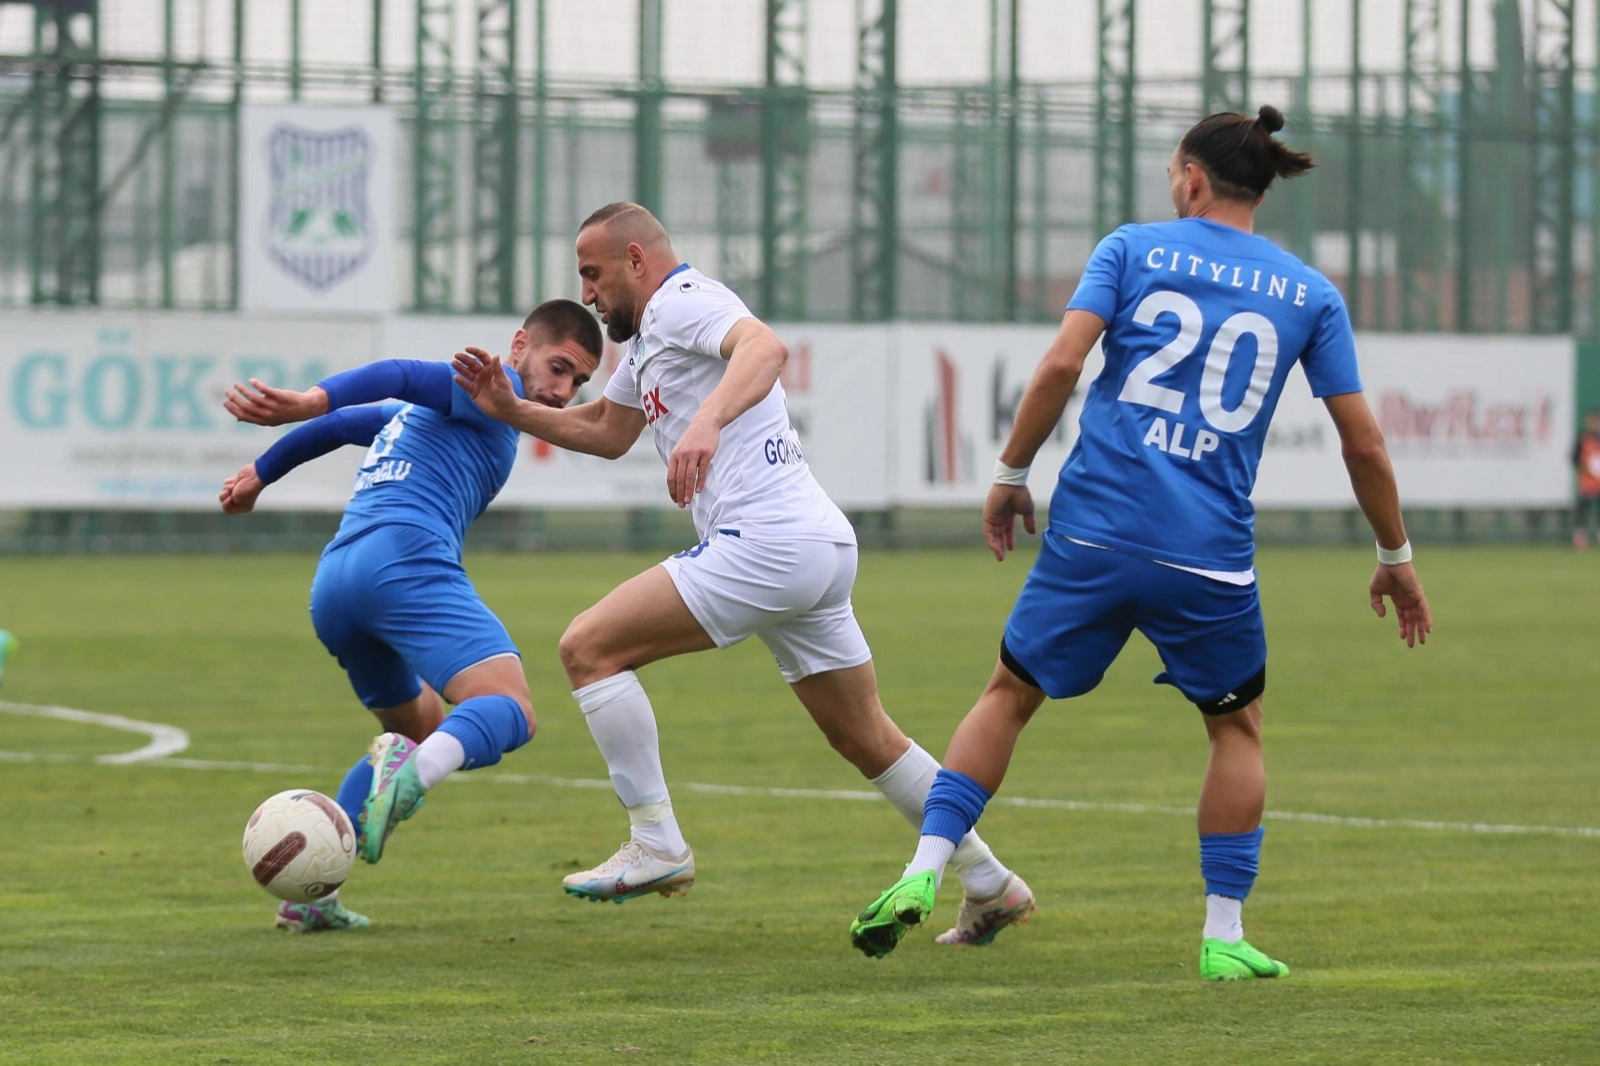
906 785
1223 921
932 854
623 725
654 826
438 757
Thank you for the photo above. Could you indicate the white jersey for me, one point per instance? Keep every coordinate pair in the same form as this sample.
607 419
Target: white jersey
759 482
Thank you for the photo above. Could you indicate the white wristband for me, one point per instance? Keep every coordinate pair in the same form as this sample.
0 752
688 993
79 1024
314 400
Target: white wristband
1395 556
1010 475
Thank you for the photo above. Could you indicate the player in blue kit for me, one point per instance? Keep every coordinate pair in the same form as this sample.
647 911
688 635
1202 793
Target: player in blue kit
1151 526
390 599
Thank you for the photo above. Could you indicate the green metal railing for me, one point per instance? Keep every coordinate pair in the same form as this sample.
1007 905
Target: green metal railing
1449 195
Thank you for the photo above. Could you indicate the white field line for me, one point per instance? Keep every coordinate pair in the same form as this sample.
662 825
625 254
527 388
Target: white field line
162 734
164 739
1067 805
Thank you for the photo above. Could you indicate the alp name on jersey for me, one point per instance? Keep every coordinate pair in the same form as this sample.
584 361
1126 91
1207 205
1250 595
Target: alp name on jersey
1170 439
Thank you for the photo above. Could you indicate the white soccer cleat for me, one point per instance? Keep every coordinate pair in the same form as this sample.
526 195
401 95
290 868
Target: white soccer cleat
980 920
633 871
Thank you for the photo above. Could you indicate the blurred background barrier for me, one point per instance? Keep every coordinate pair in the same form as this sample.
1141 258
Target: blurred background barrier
197 190
122 410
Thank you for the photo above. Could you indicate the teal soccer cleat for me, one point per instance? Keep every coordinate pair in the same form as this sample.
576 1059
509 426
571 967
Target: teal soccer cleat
327 915
396 794
8 645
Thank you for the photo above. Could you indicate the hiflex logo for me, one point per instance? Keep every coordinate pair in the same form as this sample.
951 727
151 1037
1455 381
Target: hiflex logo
653 407
1465 419
947 452
318 227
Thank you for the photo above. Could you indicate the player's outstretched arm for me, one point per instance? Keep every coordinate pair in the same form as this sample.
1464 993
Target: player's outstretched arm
263 405
1372 478
598 428
417 381
318 437
1042 405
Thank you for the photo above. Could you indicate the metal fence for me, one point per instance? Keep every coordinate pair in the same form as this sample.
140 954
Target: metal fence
1450 193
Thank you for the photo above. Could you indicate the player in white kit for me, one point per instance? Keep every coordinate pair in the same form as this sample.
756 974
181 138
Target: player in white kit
776 558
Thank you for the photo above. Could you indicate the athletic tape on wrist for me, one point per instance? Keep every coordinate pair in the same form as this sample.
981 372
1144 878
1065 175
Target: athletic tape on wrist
1010 475
1395 556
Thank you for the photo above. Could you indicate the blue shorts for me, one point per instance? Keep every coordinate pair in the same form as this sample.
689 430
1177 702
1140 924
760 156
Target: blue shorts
1080 605
394 604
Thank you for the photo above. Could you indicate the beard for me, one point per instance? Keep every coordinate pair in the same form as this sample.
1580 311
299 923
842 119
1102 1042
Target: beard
619 322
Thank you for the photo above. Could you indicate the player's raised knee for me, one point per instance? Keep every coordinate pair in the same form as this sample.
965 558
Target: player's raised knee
577 650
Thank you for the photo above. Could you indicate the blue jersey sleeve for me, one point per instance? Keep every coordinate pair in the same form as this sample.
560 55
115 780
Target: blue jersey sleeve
417 381
1330 357
318 437
1100 288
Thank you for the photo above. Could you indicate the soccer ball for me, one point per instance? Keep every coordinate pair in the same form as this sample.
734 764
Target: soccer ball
299 845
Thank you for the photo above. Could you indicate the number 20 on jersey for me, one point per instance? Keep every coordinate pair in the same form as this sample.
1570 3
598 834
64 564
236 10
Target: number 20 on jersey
1140 388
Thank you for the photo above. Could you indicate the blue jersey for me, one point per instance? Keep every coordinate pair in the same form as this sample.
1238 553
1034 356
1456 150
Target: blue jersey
430 469
1203 324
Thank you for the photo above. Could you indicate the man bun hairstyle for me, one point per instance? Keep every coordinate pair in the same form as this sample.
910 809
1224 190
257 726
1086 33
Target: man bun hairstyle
1240 153
555 321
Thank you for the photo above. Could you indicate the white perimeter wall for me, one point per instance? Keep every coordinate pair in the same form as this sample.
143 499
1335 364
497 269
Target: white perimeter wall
109 409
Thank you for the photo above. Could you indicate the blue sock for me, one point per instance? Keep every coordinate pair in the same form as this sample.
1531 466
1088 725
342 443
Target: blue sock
353 792
953 807
487 727
1228 862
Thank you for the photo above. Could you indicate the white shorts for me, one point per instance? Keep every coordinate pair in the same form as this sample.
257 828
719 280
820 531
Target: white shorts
793 594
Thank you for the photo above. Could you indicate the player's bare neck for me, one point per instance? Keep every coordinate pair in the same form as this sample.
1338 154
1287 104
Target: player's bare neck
659 272
1227 213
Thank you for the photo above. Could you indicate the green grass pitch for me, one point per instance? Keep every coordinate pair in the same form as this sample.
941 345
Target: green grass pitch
131 933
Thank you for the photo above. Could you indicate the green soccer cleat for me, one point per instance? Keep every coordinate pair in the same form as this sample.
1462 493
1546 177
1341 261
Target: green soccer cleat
328 915
396 793
1222 961
909 901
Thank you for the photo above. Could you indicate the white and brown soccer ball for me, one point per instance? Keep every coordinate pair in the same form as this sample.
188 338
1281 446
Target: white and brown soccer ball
299 845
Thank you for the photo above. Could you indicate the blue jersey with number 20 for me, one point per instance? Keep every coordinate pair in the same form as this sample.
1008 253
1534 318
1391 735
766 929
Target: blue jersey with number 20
1203 324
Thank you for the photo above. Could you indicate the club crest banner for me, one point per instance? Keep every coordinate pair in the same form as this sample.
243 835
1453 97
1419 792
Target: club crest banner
317 216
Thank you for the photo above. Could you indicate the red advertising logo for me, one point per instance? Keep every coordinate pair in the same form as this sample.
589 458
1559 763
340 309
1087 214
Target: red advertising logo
947 452
1465 418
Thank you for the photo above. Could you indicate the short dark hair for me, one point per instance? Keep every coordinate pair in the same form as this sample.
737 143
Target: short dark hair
1240 153
555 321
611 211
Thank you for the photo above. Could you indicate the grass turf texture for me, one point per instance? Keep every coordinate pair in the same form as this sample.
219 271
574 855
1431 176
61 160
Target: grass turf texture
130 932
